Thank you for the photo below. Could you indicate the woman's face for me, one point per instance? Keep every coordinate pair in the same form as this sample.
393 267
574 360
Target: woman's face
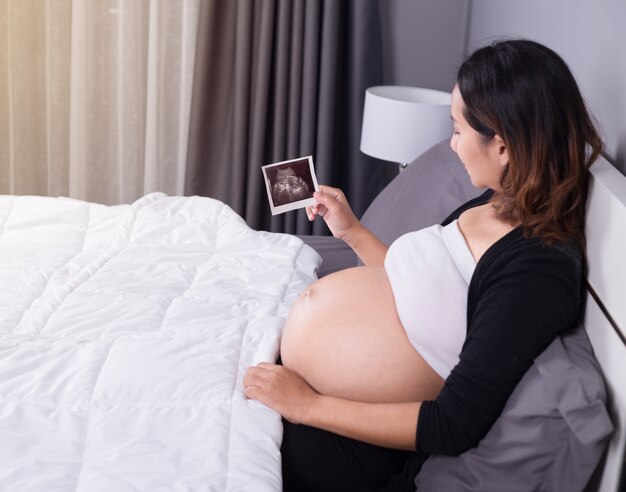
484 162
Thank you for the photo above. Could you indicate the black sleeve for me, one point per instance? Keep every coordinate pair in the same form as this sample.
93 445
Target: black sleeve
518 306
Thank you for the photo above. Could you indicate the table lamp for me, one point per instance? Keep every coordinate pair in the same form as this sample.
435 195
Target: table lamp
399 123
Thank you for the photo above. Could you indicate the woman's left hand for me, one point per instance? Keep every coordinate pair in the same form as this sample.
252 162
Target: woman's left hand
280 389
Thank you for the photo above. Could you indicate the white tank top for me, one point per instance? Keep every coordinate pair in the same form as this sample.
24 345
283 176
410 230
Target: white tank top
430 271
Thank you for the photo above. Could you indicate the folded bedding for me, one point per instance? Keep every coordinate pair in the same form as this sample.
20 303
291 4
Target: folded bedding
125 332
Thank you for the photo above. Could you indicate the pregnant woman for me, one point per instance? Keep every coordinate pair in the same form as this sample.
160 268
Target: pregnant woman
416 352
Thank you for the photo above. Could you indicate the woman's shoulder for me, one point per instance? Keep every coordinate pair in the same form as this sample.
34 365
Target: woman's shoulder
474 202
515 251
527 270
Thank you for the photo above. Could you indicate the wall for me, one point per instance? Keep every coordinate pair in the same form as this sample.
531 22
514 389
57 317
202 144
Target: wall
424 40
589 35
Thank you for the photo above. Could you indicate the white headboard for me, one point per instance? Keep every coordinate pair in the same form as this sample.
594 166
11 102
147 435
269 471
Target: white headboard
605 318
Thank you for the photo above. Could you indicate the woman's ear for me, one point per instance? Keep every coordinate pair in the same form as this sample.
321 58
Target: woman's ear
500 150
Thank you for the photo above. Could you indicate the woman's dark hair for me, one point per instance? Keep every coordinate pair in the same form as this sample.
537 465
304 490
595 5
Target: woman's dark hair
525 93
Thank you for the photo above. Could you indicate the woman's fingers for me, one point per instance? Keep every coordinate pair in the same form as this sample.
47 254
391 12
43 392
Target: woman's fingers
334 208
280 389
261 376
322 197
328 199
330 191
327 196
311 212
257 373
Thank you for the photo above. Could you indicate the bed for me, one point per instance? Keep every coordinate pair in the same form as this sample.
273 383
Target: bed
124 335
605 318
125 331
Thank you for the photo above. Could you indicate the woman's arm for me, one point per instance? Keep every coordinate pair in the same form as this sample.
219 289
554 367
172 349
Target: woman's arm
520 300
333 207
391 425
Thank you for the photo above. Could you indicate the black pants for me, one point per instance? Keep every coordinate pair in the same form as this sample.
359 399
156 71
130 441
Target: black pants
320 461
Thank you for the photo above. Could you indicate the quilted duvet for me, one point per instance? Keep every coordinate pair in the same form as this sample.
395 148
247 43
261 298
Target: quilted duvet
125 333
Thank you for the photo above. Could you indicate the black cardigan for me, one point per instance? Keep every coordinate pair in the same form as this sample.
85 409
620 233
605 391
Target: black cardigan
522 295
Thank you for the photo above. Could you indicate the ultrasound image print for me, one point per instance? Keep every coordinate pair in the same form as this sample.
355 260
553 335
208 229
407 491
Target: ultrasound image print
290 184
289 187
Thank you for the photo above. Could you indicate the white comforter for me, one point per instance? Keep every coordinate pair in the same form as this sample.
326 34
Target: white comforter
124 336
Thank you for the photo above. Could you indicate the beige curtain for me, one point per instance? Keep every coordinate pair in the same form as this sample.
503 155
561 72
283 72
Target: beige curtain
95 96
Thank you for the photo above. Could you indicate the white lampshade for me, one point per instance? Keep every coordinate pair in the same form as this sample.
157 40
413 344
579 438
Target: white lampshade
399 123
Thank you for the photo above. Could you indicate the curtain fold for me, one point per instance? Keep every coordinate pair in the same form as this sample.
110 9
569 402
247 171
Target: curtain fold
95 97
279 79
109 100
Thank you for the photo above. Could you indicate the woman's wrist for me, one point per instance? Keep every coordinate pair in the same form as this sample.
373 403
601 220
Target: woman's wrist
390 425
369 248
311 412
352 237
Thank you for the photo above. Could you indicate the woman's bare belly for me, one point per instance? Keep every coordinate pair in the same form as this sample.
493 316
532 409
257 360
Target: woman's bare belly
344 337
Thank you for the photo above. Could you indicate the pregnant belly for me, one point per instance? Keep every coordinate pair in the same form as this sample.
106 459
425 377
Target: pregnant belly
344 337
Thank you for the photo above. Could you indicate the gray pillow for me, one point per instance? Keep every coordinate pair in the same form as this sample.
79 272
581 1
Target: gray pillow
430 188
550 436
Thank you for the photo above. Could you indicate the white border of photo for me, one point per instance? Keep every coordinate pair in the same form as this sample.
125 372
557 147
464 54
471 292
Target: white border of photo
279 209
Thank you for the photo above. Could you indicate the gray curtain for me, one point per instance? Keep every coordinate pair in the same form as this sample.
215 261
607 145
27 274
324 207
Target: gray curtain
276 80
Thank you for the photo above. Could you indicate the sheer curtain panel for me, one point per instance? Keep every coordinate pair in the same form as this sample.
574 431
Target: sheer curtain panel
95 96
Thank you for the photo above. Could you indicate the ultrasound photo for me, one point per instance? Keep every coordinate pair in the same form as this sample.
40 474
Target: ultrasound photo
290 184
